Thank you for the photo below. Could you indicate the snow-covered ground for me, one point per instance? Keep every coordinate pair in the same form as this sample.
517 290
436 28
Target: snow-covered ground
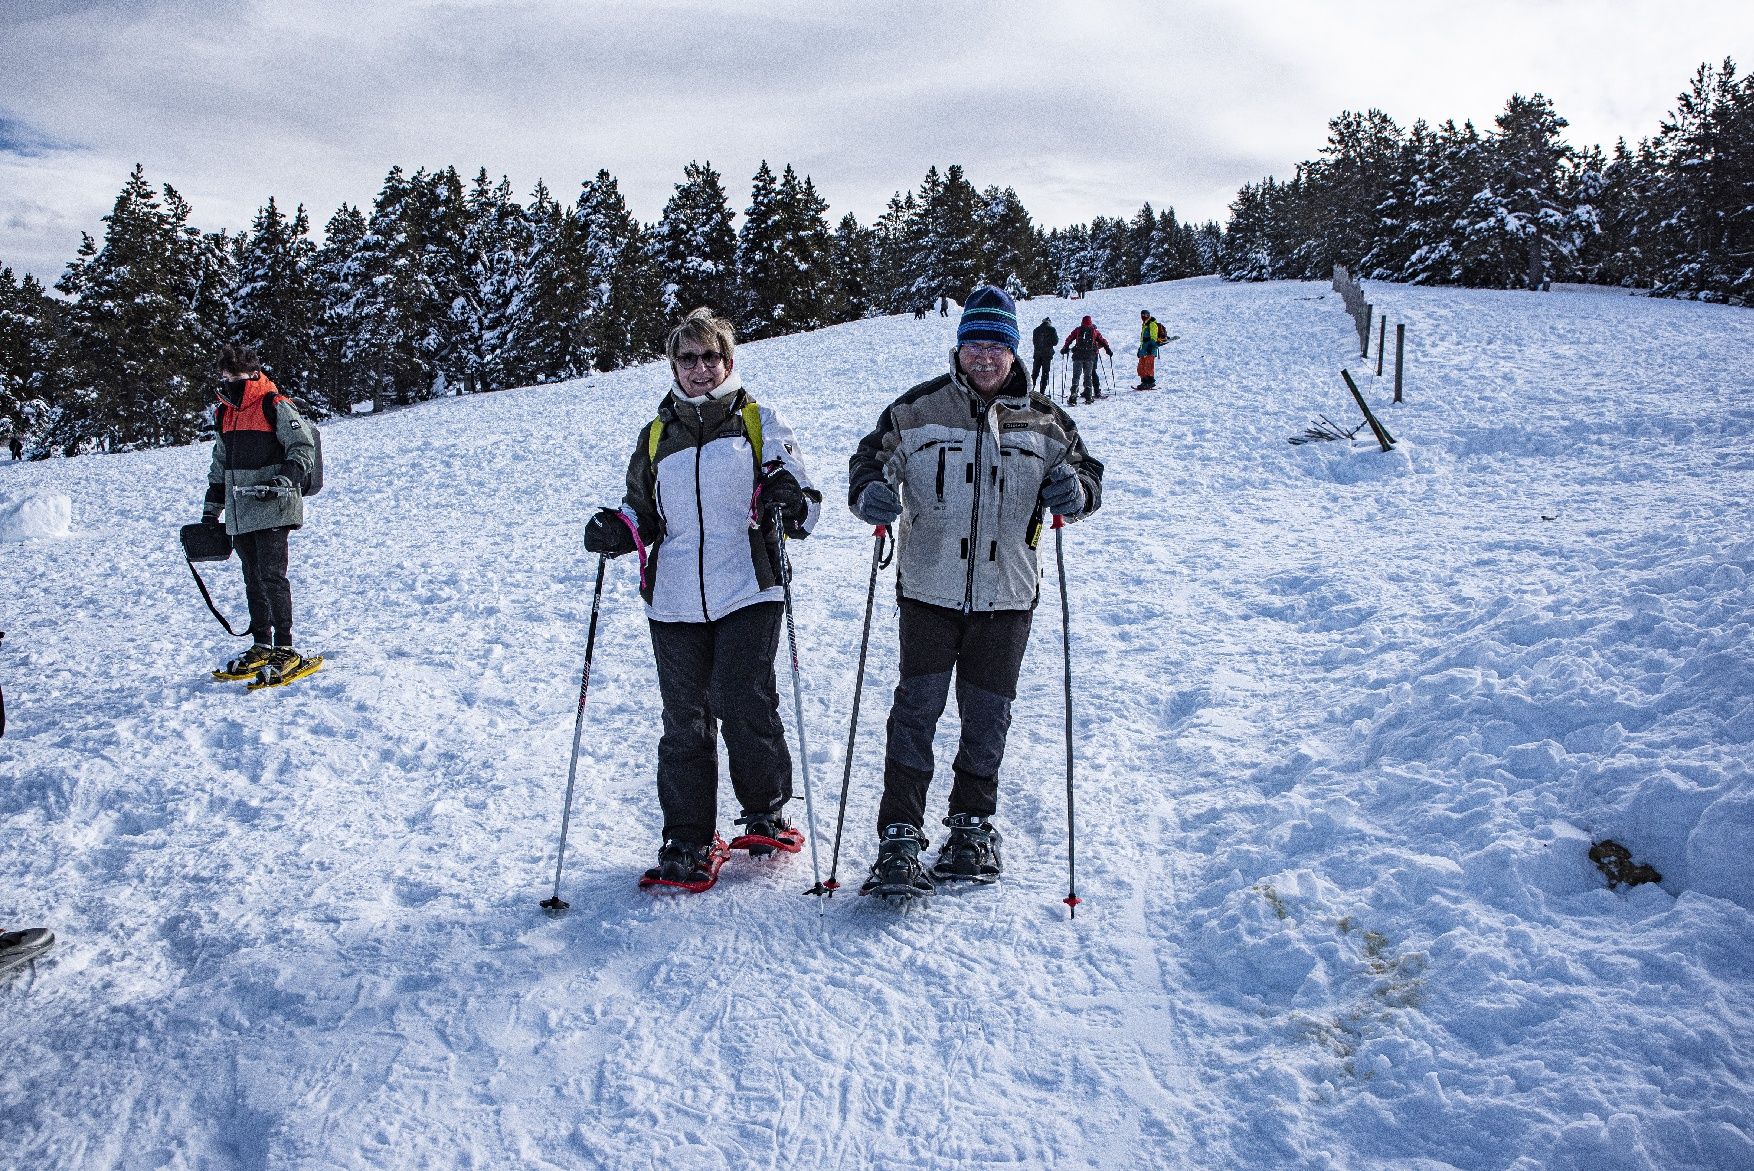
1347 725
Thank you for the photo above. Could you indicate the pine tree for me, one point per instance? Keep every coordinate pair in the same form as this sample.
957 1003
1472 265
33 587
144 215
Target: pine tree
275 305
549 316
338 384
1706 148
806 257
855 290
439 226
1515 223
143 325
27 335
497 244
901 257
955 261
1012 250
695 245
759 277
383 322
622 298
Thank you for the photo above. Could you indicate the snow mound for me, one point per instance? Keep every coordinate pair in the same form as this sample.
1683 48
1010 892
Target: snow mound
41 514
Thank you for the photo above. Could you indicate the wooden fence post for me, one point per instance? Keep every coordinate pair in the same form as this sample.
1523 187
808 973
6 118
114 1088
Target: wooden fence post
1382 332
1383 438
1400 350
1364 330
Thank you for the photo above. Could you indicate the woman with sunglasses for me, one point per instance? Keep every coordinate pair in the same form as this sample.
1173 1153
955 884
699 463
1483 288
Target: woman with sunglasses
706 479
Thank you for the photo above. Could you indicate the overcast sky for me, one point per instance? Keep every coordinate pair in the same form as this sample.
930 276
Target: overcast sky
1086 107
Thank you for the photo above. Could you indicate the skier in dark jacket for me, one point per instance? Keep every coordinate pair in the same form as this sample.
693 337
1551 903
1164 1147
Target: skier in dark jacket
966 463
1084 341
1045 337
710 580
261 456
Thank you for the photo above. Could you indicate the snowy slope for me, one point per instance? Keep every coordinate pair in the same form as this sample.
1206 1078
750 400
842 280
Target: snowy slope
1347 724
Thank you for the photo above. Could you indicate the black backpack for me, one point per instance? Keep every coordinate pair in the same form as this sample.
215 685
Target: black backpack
313 481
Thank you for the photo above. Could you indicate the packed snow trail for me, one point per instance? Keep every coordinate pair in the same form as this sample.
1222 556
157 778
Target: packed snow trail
1346 725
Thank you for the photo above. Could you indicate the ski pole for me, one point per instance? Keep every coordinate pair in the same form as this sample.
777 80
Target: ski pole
555 904
878 561
779 529
1071 900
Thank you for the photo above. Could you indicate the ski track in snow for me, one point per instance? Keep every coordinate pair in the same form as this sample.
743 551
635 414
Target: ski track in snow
1346 722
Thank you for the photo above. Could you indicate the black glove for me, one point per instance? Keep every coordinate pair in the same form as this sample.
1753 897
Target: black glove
608 534
1062 492
780 489
878 504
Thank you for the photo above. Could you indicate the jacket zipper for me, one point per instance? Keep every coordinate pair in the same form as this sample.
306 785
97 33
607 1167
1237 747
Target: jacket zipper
700 514
974 521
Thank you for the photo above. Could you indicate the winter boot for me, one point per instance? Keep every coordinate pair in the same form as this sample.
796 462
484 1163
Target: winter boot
684 866
246 665
971 852
763 833
284 665
896 876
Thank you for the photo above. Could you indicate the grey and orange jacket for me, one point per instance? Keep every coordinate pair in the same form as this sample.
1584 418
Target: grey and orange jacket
260 439
694 505
969 473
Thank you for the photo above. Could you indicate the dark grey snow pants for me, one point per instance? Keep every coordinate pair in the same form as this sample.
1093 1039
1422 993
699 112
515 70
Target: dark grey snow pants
985 651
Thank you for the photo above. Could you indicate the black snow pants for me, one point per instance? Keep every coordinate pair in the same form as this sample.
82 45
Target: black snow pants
1039 376
263 555
985 651
718 677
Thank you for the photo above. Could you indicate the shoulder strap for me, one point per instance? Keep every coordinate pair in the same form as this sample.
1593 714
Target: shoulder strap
752 428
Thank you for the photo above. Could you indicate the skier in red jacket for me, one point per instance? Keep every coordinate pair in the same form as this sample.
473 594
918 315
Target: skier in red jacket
1084 342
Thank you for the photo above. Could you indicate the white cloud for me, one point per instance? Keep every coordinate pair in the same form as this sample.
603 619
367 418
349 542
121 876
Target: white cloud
1086 108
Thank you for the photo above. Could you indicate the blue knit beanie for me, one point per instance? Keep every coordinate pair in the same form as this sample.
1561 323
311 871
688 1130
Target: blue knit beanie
988 315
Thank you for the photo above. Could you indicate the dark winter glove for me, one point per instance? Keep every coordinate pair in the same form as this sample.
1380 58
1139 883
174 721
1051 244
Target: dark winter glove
608 534
291 473
780 489
878 504
1062 492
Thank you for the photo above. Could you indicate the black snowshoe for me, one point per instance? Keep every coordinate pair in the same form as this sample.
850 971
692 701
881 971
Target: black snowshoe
897 877
971 852
682 866
23 947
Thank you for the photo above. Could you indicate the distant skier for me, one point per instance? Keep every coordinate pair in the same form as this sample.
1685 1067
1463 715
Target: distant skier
261 456
710 580
17 446
1084 342
943 305
1151 338
1045 337
965 462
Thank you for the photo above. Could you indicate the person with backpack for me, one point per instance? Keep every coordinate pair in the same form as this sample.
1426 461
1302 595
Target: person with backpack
1151 339
705 479
263 457
1045 337
1084 342
967 463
